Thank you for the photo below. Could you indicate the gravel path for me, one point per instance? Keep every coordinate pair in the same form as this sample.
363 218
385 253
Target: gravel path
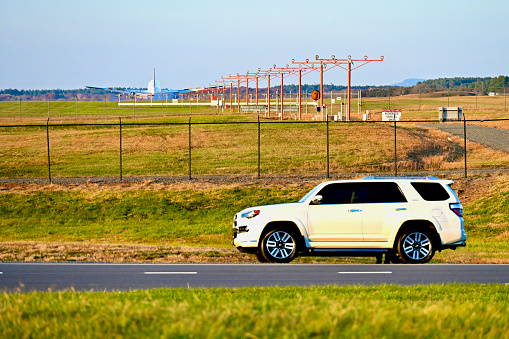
495 138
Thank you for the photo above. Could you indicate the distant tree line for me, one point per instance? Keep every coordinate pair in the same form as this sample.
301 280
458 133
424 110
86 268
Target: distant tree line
53 94
434 87
477 85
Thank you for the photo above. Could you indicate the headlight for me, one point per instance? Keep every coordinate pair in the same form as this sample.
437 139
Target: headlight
250 214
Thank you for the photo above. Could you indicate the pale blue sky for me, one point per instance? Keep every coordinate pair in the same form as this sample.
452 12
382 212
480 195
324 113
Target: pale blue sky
71 44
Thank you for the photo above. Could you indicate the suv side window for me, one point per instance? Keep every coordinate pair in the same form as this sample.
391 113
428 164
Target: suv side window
383 192
431 191
341 193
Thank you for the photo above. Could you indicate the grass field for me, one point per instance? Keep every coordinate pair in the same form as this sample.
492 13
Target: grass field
232 149
153 222
435 311
413 106
156 141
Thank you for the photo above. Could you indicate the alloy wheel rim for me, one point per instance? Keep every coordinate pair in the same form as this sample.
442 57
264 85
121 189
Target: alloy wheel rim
280 245
417 245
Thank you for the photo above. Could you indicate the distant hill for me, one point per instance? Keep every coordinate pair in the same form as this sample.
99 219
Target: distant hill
408 82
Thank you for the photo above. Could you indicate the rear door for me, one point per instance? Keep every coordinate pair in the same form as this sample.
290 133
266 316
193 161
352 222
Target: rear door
385 206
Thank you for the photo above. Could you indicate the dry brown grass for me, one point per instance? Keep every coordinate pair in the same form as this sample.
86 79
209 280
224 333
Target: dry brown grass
30 251
232 150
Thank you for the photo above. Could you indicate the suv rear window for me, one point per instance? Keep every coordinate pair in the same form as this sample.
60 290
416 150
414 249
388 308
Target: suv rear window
431 191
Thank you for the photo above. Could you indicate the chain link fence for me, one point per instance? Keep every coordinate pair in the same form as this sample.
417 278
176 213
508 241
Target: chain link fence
257 149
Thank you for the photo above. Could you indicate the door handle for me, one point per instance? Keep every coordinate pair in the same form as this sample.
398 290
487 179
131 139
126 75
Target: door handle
352 211
400 209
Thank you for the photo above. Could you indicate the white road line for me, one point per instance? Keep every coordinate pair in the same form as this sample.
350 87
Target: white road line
381 272
176 273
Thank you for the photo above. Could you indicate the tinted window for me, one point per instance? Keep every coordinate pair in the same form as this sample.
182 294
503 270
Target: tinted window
345 193
431 191
377 192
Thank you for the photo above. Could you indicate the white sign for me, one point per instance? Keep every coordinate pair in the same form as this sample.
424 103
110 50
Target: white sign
175 101
391 115
333 101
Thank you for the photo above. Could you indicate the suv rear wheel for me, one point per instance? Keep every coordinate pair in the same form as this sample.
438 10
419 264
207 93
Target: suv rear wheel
416 247
279 246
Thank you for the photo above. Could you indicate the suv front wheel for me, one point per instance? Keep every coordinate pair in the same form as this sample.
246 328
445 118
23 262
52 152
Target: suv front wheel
279 246
416 247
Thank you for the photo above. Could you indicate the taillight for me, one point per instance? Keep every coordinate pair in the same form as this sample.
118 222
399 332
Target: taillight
457 209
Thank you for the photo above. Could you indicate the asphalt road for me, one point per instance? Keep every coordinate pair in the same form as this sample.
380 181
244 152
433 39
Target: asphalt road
101 277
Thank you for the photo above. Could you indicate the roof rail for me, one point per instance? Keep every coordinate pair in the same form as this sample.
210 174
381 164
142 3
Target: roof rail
392 178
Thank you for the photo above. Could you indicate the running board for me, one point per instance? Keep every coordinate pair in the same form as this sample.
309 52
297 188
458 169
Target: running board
362 252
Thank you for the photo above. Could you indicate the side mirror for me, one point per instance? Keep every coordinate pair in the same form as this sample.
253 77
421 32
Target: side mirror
317 200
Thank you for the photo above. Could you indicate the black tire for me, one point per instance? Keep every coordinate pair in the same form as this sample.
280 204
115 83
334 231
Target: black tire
260 257
415 246
279 246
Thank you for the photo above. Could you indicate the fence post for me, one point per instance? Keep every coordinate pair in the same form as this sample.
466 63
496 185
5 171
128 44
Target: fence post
259 147
120 124
328 159
395 150
189 148
49 159
465 142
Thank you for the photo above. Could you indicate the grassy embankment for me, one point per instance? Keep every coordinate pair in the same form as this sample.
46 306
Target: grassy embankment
435 311
163 222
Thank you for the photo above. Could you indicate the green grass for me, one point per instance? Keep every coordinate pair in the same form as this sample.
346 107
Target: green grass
90 110
141 216
387 311
413 108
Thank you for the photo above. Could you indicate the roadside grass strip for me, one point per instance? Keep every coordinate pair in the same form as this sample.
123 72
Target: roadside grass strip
434 311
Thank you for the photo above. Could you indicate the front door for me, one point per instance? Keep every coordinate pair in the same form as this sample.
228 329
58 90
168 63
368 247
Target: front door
338 217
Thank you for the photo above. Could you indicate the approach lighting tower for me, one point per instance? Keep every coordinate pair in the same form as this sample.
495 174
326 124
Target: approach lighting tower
230 81
318 66
288 71
349 62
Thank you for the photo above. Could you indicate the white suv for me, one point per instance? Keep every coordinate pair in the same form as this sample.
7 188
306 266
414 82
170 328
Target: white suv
405 218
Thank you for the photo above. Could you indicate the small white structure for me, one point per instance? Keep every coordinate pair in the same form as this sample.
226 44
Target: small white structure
450 113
